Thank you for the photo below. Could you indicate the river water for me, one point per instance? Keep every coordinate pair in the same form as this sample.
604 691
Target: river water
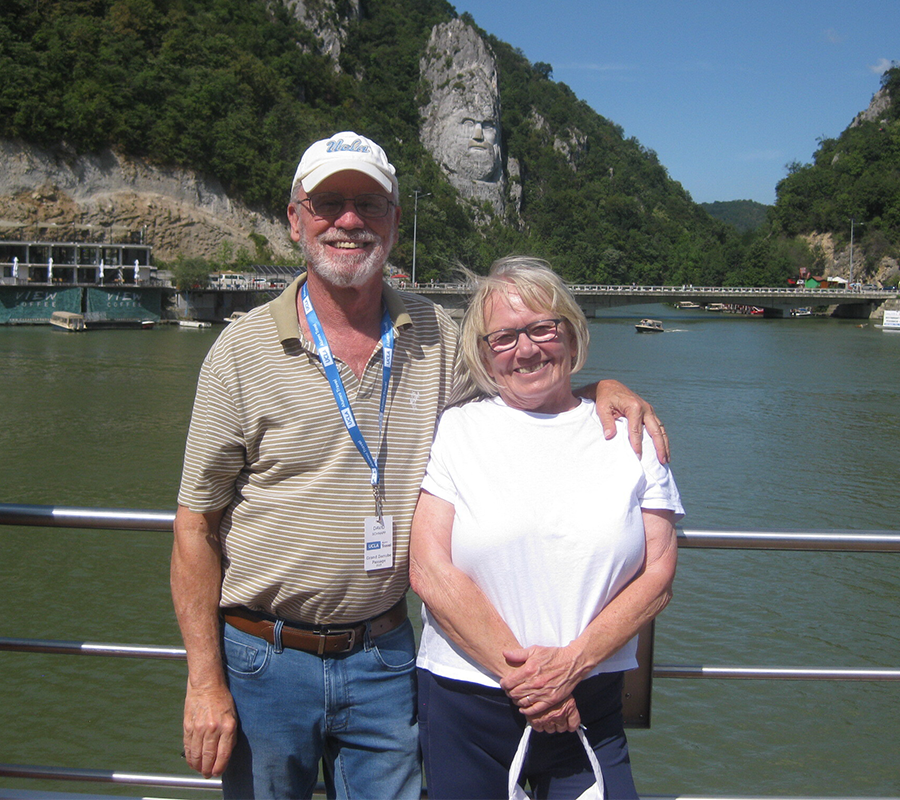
775 424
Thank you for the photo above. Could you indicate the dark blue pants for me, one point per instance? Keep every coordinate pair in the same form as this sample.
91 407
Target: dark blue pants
469 734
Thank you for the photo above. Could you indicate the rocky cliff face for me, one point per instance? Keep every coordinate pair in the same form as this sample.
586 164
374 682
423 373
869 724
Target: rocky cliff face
461 120
866 267
50 195
881 101
57 195
326 22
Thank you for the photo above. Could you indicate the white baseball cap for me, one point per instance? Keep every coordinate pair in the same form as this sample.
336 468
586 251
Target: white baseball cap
344 151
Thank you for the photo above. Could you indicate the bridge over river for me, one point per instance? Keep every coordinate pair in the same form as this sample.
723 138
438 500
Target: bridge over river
150 300
214 303
775 302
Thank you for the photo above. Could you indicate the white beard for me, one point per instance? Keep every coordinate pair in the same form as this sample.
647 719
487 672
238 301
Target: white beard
347 271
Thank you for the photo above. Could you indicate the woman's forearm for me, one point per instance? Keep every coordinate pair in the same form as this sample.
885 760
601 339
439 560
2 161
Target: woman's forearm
453 599
547 675
464 614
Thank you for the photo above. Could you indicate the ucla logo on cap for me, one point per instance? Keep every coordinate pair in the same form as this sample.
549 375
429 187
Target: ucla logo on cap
338 146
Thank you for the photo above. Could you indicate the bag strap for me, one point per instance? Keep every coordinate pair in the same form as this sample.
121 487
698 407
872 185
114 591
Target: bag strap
592 757
515 791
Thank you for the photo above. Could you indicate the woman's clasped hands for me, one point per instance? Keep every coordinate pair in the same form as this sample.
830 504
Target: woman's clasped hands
541 682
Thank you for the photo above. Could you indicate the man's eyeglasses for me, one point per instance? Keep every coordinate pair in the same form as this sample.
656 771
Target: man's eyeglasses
544 330
332 204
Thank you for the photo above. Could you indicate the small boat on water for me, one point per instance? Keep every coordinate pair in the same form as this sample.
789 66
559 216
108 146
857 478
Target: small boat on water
234 316
715 306
891 321
801 312
68 321
688 304
649 326
193 323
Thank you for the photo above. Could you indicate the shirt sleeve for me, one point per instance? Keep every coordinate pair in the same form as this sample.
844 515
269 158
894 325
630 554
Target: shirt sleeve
438 479
215 452
660 492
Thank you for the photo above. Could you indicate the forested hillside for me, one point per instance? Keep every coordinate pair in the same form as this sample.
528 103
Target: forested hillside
855 176
237 88
745 215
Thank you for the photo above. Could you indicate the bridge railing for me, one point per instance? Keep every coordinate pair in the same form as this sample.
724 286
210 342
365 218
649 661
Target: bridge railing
688 290
880 541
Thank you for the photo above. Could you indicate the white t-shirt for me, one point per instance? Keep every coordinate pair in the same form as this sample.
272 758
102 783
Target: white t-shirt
547 522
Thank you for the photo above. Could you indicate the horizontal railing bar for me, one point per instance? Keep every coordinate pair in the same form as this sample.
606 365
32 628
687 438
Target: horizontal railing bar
659 670
213 784
750 797
74 517
776 673
25 794
74 648
136 519
109 776
30 794
817 540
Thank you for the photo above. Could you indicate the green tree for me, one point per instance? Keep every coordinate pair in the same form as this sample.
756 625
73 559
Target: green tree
191 273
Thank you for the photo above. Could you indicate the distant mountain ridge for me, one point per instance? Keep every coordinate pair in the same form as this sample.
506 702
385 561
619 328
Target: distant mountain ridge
745 215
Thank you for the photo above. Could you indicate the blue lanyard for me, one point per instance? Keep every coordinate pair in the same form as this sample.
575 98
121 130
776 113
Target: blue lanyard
337 385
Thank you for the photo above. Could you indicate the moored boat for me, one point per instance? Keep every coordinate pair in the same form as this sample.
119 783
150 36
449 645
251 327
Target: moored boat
891 321
649 326
68 321
193 323
234 316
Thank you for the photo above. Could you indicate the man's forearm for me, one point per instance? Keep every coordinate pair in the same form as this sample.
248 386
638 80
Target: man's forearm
210 719
196 580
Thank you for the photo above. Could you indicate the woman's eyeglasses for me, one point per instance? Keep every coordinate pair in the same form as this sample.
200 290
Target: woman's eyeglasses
544 330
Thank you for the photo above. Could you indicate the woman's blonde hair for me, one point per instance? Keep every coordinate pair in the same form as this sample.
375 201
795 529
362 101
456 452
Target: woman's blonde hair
539 288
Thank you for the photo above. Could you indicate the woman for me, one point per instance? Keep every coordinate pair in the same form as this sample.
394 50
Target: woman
539 548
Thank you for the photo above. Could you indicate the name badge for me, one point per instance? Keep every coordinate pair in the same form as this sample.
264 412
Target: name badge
379 542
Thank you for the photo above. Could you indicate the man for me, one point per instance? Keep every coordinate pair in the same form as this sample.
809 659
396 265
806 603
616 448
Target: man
310 432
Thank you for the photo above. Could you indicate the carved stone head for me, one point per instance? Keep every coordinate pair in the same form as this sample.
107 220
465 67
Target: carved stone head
461 121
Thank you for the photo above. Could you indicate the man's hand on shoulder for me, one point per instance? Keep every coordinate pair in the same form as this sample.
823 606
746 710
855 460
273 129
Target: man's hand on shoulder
613 400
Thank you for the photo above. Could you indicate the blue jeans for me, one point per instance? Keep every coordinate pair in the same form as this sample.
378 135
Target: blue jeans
356 712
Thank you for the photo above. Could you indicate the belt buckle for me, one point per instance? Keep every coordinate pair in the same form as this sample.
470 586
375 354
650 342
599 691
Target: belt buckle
351 639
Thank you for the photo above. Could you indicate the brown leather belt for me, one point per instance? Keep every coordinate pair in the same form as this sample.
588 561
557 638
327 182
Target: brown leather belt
323 640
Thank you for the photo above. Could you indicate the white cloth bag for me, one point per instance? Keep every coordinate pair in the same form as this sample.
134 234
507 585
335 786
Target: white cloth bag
516 792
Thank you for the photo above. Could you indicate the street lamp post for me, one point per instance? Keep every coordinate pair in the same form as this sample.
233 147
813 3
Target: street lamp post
853 222
416 193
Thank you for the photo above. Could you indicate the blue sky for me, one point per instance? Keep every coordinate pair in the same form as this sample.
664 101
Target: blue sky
727 93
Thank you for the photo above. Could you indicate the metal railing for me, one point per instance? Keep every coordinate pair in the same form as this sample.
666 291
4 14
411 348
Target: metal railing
881 541
845 294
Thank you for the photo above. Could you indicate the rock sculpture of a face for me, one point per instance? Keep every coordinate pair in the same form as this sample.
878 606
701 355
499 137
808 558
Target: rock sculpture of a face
461 121
473 136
